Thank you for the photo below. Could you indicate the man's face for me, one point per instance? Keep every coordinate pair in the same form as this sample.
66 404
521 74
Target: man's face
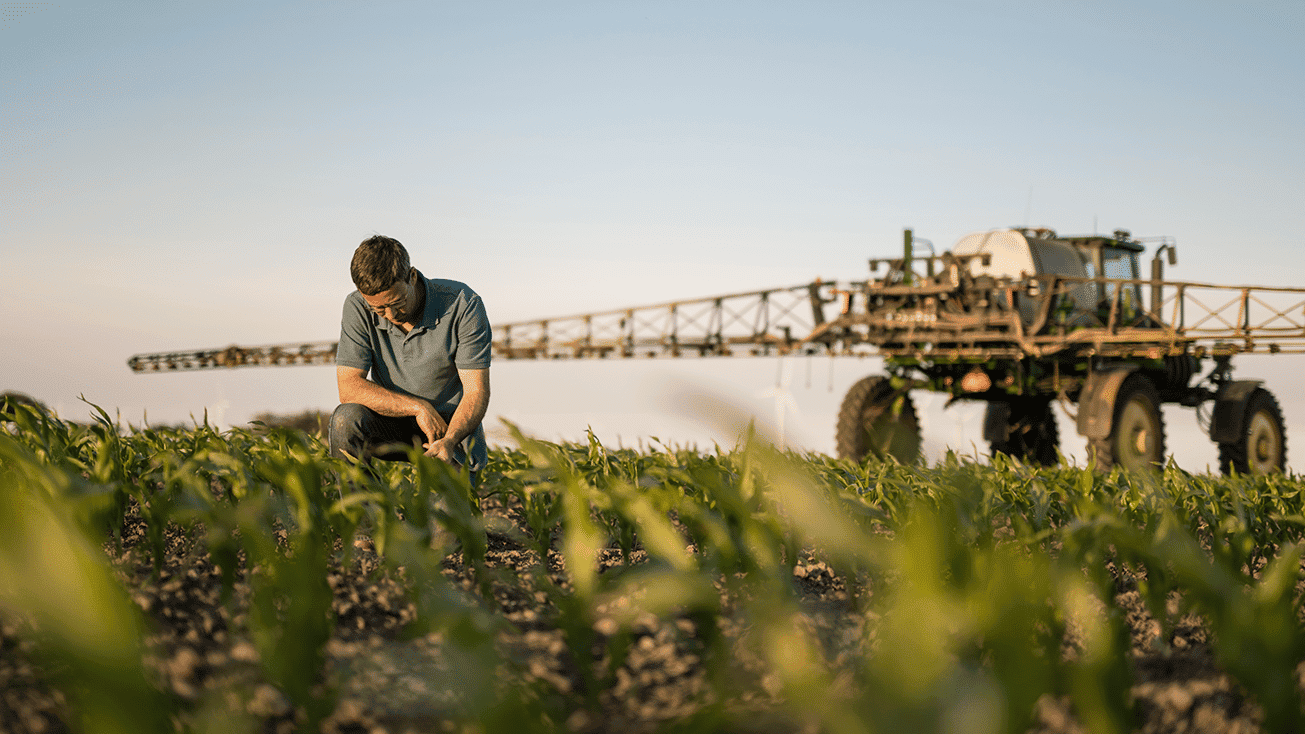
394 305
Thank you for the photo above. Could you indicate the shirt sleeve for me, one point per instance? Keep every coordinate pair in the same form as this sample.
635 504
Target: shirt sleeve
355 347
475 340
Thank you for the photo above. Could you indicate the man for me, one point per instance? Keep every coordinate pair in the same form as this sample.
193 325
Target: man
426 343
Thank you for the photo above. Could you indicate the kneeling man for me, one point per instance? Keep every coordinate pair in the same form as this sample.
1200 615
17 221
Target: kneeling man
426 343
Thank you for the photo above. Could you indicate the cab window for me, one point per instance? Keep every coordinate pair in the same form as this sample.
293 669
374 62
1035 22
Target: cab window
1118 263
1122 264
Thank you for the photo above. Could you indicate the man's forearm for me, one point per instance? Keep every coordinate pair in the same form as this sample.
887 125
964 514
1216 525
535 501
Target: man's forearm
468 415
383 401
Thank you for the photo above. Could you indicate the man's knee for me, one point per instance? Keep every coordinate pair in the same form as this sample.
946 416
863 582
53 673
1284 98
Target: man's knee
346 430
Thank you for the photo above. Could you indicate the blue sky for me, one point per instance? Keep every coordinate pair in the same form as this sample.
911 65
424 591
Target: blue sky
196 174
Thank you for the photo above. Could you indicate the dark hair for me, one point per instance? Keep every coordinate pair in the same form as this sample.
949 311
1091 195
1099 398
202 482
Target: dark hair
379 263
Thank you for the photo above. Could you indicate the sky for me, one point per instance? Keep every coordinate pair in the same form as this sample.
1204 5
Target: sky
185 175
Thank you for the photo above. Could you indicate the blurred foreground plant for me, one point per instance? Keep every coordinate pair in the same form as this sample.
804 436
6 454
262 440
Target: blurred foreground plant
58 583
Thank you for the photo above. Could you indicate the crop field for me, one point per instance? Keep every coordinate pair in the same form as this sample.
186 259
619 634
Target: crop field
169 579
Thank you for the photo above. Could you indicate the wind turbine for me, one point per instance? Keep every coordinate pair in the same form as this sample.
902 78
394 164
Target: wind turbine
784 401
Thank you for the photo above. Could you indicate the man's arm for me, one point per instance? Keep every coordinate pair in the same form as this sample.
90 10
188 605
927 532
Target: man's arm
356 388
468 415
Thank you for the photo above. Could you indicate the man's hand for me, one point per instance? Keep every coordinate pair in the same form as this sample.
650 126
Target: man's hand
431 423
442 449
468 414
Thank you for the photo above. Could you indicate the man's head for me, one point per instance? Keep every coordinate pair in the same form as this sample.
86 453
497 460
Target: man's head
384 277
378 264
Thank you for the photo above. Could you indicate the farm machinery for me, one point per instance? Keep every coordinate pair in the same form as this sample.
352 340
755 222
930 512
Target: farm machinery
1018 319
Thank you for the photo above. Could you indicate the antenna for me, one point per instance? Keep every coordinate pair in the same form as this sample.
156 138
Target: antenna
1028 206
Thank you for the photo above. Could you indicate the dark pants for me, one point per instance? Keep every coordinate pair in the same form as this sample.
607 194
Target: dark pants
364 434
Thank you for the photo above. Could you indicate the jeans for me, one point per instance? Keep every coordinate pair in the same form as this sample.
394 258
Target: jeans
364 434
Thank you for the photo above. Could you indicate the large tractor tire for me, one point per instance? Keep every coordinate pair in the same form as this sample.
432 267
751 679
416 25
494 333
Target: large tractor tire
877 420
1262 447
1031 434
1137 434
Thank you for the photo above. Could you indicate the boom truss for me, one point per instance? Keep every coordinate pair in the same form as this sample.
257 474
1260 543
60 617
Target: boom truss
830 317
774 321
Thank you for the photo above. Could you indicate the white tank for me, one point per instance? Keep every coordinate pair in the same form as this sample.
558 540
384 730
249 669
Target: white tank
1017 257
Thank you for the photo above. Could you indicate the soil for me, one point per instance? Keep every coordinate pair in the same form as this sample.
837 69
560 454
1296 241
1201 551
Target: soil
386 682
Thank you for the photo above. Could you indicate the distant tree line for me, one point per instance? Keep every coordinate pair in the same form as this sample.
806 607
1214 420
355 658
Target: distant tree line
309 421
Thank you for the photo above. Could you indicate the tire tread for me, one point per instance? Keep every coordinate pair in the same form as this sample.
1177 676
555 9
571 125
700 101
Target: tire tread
858 410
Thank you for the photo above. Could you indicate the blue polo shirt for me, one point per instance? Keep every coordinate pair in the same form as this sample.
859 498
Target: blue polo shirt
452 333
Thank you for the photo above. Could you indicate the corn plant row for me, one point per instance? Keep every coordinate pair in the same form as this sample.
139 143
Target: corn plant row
980 588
